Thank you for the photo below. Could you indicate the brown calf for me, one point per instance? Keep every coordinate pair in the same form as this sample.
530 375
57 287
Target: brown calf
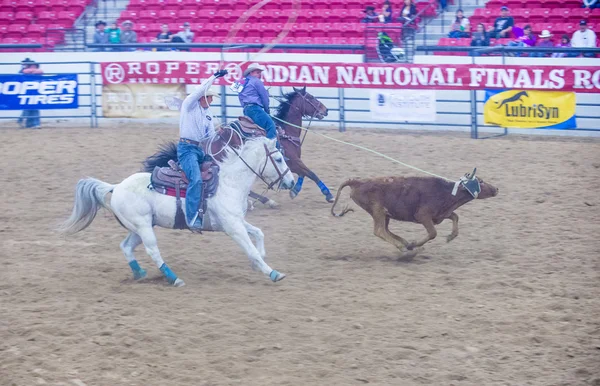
424 200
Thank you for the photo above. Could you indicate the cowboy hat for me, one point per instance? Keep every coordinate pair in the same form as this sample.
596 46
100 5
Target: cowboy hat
28 61
127 22
545 34
211 92
253 67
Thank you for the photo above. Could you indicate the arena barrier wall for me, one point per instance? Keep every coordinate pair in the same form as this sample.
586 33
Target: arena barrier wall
455 108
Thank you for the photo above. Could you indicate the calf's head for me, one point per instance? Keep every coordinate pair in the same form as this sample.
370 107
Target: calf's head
487 190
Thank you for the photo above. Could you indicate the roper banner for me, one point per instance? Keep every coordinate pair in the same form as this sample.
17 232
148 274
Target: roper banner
139 100
403 105
38 92
366 75
523 109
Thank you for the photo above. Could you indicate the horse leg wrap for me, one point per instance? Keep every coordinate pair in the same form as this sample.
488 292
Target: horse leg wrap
325 191
171 277
138 272
298 187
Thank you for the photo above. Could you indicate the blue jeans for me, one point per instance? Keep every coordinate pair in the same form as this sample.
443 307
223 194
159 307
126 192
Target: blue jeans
31 118
190 157
262 119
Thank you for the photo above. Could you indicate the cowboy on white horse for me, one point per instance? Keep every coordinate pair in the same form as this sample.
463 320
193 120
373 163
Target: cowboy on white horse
254 98
195 127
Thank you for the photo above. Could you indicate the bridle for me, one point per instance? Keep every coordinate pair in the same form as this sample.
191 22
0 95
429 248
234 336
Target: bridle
280 174
306 101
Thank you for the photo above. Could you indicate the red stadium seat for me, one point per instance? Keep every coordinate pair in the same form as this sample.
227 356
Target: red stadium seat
31 40
36 30
515 4
174 5
6 18
155 5
551 4
559 15
3 28
521 16
66 18
43 5
570 28
137 5
25 6
23 17
148 16
580 13
130 15
188 15
7 40
16 31
46 17
539 15
166 16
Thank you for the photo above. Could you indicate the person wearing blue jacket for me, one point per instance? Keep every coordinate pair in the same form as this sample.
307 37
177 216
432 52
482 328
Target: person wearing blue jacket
254 99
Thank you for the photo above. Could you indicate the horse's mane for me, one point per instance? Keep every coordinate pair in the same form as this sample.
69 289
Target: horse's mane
168 151
284 107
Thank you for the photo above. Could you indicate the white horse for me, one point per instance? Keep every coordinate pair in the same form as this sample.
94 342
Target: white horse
139 208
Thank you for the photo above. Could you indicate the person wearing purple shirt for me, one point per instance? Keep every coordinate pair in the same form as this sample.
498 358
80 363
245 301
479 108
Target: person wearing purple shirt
254 99
544 42
528 39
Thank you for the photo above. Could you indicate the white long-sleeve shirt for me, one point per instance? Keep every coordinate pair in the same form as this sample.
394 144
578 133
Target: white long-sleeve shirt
194 121
584 39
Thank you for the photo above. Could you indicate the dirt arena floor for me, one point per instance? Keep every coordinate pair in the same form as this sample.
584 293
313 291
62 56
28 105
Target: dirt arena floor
514 300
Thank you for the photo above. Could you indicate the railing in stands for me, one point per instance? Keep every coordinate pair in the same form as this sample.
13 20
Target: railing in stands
246 46
66 39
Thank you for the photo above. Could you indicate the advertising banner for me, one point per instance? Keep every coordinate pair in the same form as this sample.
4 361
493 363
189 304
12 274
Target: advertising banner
38 92
365 75
403 105
522 109
140 100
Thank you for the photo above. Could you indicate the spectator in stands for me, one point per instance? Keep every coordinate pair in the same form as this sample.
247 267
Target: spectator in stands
370 15
114 34
184 36
407 12
100 36
528 39
30 118
591 4
480 38
544 42
408 15
461 27
502 25
164 36
128 36
386 12
565 42
584 38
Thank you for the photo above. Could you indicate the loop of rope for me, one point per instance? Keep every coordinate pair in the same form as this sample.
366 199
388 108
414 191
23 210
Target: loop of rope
294 13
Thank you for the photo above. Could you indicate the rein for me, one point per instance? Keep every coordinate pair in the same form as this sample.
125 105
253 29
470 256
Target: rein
259 175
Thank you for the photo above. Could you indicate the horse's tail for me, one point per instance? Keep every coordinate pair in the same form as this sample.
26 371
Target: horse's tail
352 183
90 196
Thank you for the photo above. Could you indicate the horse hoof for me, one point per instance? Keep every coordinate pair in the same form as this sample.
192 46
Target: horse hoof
140 275
272 204
293 194
276 276
178 283
329 197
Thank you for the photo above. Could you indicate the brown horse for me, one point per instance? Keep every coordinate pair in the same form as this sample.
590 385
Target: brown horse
295 106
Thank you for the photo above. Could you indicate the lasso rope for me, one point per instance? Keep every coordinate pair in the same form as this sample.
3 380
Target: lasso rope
365 149
294 12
